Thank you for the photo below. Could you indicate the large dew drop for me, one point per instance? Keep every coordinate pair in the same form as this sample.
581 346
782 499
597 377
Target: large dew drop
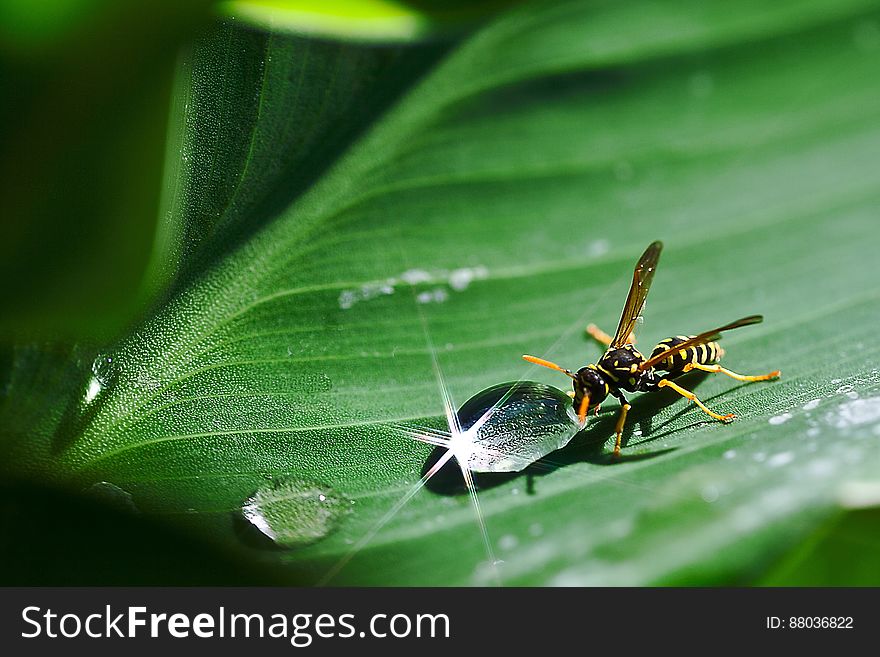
293 512
530 421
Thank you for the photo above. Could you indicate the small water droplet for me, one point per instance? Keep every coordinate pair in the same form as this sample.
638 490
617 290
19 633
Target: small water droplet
810 405
729 454
104 372
842 390
104 369
709 493
292 512
781 418
437 295
859 495
508 542
778 460
112 495
855 412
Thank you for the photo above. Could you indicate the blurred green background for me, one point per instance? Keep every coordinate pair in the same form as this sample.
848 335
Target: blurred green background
236 234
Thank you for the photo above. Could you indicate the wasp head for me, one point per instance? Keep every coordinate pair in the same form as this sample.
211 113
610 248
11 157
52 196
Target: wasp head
590 389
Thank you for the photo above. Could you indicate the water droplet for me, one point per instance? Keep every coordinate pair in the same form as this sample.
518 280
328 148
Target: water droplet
855 412
598 248
778 460
729 454
437 295
845 389
810 405
460 279
859 494
416 276
292 512
780 419
531 421
710 493
93 390
104 373
112 495
508 542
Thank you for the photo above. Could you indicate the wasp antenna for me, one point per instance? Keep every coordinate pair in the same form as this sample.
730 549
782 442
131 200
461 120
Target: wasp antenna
547 363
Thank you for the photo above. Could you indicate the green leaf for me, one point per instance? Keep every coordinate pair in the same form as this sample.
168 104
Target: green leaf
364 20
252 130
84 113
494 210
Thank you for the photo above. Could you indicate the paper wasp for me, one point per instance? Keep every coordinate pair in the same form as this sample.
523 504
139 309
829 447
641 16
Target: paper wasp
622 367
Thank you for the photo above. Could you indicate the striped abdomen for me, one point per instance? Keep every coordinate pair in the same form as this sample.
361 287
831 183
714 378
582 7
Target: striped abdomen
704 354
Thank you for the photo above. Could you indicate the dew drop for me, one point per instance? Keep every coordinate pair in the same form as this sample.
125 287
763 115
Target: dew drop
531 420
780 419
112 495
855 412
710 493
508 542
293 513
778 460
104 371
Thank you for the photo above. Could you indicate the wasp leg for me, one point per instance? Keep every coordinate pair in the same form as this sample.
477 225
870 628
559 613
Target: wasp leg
602 337
618 429
687 394
717 369
598 334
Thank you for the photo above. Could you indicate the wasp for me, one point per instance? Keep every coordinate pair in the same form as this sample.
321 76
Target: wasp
623 368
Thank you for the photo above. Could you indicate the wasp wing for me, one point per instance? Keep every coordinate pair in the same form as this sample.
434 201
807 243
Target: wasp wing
635 301
702 338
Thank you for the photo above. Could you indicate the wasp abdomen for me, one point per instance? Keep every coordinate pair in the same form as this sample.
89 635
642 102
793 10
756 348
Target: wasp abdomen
703 354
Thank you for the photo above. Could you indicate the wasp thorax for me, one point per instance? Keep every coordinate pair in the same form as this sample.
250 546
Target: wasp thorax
622 366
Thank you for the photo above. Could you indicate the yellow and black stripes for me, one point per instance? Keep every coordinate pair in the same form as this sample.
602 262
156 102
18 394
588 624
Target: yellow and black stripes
702 354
